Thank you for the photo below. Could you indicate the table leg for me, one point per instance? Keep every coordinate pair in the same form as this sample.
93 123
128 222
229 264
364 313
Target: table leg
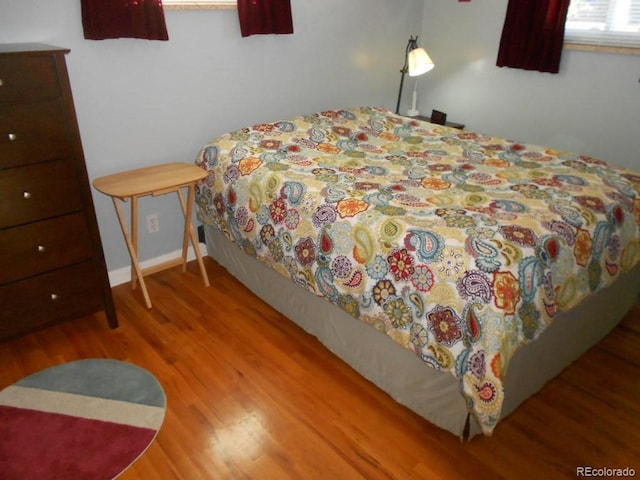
132 250
190 233
186 210
134 237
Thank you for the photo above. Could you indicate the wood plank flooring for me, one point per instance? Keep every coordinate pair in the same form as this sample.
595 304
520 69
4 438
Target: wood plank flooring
252 396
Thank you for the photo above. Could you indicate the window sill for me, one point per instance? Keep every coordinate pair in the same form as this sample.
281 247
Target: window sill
602 48
199 6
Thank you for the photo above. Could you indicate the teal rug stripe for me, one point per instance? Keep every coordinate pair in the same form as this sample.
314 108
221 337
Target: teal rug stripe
102 378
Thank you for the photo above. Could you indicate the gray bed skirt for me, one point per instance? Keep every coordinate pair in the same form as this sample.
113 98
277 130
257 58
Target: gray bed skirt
432 394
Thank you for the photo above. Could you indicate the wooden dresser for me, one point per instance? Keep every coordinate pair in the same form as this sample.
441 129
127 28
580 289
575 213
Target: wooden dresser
52 266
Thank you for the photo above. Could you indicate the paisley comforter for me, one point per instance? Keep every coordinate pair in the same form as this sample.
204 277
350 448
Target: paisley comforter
460 247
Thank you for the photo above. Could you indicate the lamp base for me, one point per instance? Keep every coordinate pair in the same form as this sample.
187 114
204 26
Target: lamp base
412 112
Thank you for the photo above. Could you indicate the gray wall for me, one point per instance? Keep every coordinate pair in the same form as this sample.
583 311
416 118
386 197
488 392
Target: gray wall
141 102
591 107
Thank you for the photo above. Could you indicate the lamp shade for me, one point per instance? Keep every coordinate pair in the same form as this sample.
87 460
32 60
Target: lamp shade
419 62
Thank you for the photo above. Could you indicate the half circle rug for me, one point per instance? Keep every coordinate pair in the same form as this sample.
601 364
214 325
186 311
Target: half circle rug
88 419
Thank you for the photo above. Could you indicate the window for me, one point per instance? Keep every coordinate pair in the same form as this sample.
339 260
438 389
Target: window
606 23
198 4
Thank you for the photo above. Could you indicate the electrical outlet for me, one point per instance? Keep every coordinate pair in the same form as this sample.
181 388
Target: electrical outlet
153 225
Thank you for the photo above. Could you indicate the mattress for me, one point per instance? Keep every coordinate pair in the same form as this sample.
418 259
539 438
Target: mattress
432 394
461 249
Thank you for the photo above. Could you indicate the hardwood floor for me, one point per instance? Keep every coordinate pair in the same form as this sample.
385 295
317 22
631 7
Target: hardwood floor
250 395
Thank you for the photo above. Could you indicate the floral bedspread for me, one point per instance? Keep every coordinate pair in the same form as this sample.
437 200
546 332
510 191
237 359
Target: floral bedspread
460 247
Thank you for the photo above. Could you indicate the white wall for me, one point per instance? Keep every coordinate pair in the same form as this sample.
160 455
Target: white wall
141 102
591 107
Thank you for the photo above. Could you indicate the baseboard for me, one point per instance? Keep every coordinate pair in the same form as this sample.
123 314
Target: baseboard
123 275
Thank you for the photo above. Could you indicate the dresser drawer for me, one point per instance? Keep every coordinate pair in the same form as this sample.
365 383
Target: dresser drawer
49 238
40 247
32 132
36 192
27 78
48 298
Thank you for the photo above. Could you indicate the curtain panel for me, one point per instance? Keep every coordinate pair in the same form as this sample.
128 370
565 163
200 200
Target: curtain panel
265 16
533 35
102 19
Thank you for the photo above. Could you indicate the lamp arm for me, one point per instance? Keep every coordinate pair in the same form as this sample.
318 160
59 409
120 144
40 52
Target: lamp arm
400 92
410 46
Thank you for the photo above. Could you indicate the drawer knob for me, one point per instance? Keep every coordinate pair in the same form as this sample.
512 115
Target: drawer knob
54 297
41 248
12 137
26 195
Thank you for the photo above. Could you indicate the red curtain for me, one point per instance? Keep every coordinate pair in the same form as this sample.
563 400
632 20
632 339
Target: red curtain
533 35
103 19
265 16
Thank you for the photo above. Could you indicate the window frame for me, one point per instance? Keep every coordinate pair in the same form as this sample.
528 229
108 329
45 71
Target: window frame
200 4
579 39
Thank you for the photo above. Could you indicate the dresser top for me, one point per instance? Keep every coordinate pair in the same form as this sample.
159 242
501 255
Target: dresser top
25 48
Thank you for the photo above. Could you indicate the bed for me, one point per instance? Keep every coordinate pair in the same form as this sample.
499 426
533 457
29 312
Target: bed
458 272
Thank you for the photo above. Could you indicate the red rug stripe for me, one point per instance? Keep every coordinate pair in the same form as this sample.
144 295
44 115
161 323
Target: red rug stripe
51 446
